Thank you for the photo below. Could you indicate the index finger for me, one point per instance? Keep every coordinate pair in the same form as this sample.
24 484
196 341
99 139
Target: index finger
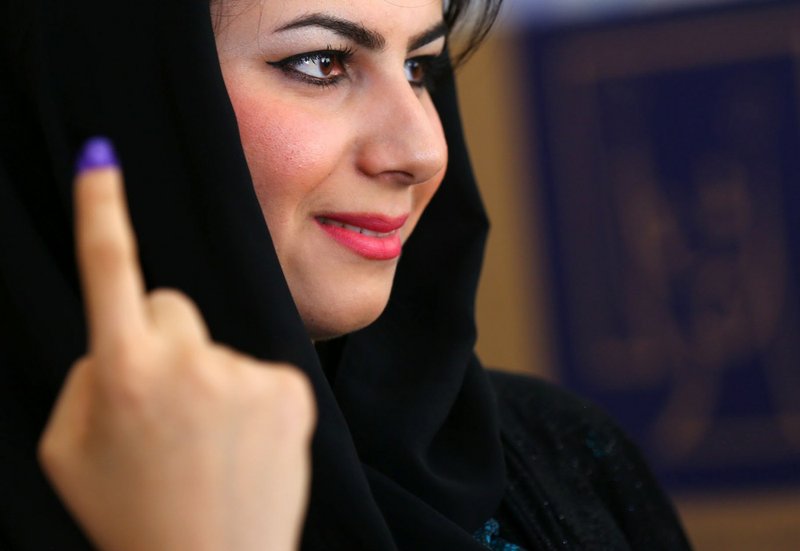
111 278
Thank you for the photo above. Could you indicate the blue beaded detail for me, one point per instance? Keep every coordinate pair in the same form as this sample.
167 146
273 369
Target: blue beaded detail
489 537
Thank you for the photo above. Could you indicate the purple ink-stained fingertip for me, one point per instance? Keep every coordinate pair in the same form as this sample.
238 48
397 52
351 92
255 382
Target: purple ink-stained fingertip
98 152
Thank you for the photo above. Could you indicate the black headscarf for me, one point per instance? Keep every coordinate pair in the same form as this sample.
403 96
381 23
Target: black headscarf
406 454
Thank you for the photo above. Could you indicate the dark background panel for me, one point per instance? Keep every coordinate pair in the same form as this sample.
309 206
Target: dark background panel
669 163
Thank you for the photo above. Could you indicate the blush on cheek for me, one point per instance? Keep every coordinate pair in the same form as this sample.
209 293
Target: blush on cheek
278 139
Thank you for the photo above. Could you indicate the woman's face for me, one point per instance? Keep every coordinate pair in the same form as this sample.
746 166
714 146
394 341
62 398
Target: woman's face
342 139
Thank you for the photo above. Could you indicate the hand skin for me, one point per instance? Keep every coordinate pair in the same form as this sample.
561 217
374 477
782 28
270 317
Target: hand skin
160 438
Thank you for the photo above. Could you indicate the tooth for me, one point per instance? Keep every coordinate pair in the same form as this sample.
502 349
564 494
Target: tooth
362 231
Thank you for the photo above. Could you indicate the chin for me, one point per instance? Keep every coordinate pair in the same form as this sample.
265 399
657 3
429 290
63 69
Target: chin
336 314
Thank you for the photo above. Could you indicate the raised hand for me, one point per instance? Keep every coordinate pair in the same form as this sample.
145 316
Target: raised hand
162 439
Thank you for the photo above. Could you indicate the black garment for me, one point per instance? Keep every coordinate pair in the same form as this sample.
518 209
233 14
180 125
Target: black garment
575 481
407 452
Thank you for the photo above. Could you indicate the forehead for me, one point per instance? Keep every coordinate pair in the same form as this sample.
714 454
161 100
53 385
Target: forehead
388 16
355 8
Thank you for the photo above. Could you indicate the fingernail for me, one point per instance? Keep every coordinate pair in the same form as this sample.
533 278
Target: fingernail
98 152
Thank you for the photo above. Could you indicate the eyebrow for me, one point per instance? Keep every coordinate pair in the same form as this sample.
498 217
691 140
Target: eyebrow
438 30
359 34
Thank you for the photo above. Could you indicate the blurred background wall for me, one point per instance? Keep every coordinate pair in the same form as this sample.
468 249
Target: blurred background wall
640 162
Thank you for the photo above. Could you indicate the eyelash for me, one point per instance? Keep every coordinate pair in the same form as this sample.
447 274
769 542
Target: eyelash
339 56
431 65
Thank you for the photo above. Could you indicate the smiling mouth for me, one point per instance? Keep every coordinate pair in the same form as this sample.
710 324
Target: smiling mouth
370 236
363 231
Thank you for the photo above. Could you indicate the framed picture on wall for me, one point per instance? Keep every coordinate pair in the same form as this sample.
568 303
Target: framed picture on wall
670 161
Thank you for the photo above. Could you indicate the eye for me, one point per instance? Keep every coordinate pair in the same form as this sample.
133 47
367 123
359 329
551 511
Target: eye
319 65
322 68
422 71
415 72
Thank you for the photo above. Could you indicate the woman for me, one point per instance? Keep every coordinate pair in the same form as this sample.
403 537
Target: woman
338 131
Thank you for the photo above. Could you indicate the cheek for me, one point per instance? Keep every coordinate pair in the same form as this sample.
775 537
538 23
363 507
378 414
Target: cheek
276 141
287 154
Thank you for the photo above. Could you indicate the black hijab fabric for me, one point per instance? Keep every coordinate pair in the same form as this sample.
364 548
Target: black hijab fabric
406 454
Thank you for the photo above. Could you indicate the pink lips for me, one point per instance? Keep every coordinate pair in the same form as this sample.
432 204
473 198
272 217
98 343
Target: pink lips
372 236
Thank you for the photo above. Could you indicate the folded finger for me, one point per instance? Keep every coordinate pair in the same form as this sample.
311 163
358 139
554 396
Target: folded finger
173 314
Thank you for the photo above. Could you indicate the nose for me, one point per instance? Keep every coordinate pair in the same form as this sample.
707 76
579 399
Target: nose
401 137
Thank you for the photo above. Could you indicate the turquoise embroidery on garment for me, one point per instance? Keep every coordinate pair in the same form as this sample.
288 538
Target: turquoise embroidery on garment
489 537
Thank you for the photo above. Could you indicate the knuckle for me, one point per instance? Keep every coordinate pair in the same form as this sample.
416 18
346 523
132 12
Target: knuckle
54 452
171 305
127 372
188 356
108 253
48 451
168 297
176 314
198 373
127 354
206 380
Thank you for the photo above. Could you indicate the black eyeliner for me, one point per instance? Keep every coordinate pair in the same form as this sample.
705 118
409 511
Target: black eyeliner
433 67
288 65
